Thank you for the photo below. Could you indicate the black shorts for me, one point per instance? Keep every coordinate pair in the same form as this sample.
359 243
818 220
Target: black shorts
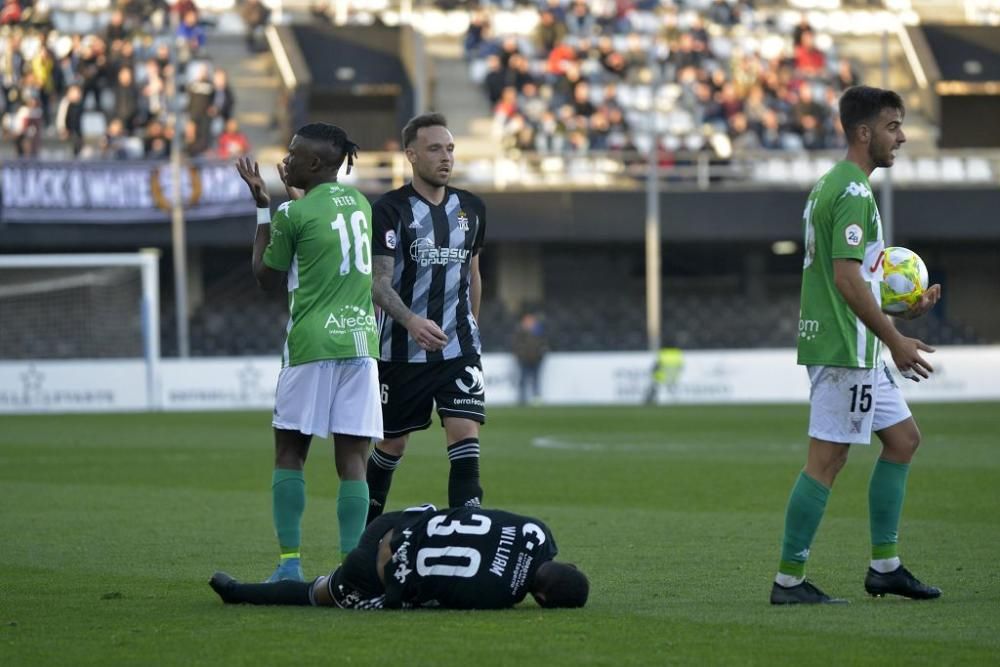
409 392
358 574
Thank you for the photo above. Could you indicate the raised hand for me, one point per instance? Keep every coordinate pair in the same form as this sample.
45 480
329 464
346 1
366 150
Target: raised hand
249 171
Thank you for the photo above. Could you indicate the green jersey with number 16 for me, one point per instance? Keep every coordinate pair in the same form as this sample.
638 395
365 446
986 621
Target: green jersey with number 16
841 222
324 242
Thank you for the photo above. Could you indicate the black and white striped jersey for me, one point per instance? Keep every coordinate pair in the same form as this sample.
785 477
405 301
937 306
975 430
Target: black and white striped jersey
433 247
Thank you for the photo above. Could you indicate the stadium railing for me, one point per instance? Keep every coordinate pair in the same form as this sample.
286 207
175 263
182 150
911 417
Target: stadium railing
702 171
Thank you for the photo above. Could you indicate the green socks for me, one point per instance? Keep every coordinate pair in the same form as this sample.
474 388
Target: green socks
352 512
885 504
288 495
808 501
288 502
802 517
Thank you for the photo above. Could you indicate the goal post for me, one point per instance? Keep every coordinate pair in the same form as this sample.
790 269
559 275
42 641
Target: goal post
82 307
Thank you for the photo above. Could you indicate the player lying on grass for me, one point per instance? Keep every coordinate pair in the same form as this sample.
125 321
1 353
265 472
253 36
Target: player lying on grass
459 558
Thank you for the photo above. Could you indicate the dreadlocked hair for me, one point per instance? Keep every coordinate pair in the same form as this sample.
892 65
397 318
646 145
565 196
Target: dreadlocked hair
336 136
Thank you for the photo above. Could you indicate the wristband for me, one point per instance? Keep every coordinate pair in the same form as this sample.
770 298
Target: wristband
264 216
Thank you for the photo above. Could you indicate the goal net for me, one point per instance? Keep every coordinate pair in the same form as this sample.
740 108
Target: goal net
82 307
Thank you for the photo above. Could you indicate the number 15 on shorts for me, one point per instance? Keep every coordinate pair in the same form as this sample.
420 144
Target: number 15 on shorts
861 398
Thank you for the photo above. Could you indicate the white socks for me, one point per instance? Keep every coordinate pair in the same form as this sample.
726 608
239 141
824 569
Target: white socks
787 580
886 565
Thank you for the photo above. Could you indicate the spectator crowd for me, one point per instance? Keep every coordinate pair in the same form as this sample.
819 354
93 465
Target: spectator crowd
727 78
105 94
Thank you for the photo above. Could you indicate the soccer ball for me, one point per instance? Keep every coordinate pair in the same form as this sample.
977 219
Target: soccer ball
904 279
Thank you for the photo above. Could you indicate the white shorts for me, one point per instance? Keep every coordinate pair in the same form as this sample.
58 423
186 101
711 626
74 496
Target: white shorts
847 404
332 396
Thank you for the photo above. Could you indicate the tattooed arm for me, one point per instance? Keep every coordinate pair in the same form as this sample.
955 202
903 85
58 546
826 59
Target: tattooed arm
426 333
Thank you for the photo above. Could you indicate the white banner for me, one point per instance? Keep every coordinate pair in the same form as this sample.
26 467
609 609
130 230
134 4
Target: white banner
593 378
118 192
235 383
967 373
110 385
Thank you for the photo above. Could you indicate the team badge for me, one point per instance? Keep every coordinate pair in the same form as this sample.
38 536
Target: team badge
853 235
390 239
463 221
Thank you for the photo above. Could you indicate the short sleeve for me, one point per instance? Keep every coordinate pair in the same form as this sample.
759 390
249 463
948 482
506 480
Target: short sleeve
851 212
279 252
385 235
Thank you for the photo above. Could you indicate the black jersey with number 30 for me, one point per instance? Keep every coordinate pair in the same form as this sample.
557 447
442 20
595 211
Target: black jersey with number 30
465 558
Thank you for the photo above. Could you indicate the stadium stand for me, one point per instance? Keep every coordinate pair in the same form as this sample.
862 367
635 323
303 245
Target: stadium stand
95 84
726 78
544 95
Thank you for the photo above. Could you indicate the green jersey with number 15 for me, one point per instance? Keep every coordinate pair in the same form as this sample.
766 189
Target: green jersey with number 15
324 242
841 222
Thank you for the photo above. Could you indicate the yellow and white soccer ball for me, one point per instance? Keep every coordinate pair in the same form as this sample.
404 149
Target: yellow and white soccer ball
904 279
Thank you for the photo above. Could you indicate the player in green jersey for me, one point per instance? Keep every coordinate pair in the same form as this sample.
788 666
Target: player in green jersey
329 378
841 332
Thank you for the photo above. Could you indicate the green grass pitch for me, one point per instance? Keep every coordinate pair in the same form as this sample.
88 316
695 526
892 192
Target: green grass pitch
111 526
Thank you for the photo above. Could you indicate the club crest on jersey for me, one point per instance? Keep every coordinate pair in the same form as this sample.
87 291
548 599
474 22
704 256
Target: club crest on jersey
463 221
853 235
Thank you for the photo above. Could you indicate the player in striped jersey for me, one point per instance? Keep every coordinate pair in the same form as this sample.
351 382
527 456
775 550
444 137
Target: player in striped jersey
427 240
841 333
329 379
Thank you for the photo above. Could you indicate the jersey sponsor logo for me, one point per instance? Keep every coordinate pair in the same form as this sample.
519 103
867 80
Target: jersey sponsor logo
877 263
401 558
808 329
425 253
871 269
532 530
477 402
415 225
349 319
857 190
853 235
463 221
519 577
477 386
390 239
